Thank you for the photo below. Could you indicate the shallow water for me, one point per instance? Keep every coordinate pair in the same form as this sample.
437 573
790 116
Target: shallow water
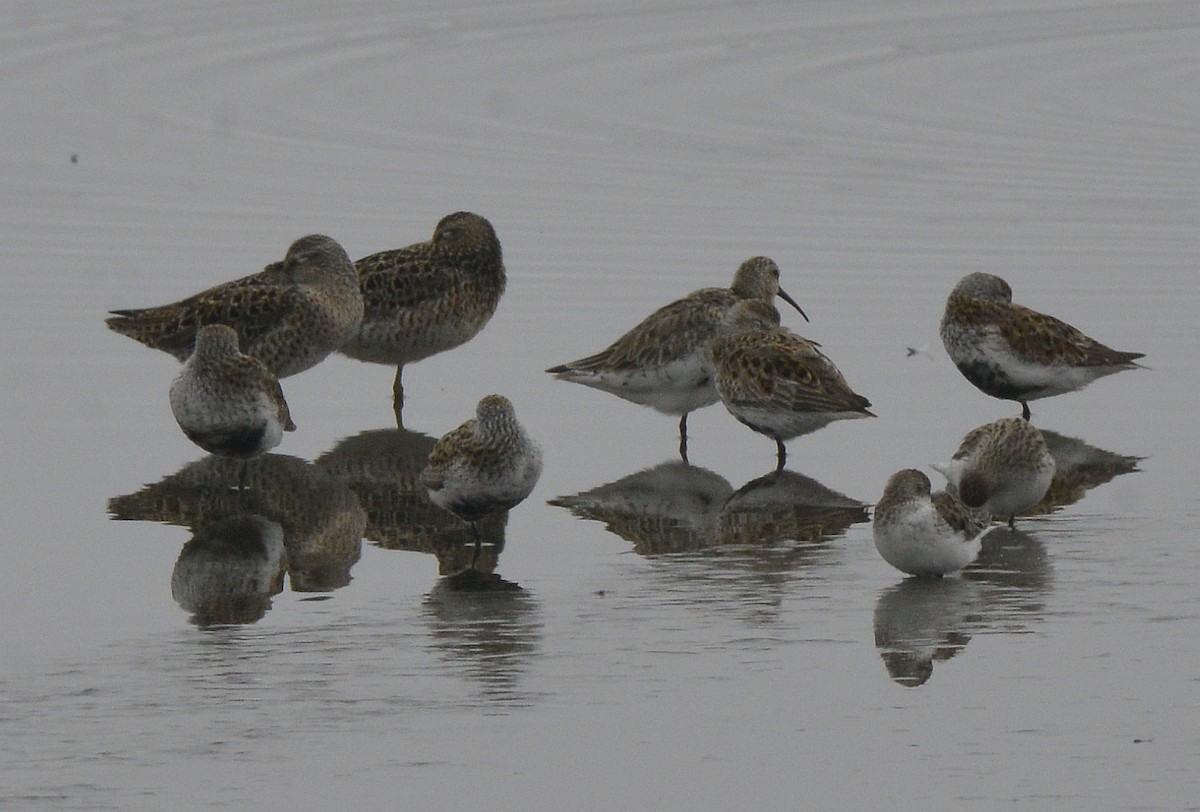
668 643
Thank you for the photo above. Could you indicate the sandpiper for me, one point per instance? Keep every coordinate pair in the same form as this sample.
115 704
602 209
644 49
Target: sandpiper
226 402
290 315
660 362
487 465
776 382
1002 468
924 533
1014 353
428 297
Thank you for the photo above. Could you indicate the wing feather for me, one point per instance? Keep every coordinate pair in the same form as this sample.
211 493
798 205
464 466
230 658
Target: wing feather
789 370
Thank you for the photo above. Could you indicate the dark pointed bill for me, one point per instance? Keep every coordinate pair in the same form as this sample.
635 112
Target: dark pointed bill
783 295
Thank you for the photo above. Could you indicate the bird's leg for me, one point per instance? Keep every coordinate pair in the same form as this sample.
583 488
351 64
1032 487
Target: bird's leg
780 454
398 397
683 437
1012 522
478 545
1025 413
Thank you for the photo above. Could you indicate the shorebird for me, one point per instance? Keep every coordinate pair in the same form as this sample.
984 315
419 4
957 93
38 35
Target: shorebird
487 465
776 382
660 362
1013 353
428 297
290 315
924 533
226 402
1002 468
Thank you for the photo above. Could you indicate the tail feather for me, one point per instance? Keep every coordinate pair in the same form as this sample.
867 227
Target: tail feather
158 328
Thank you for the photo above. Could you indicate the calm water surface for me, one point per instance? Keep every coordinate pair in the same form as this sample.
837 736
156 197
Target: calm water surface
648 634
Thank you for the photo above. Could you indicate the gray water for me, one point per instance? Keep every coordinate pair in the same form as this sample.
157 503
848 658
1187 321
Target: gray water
660 642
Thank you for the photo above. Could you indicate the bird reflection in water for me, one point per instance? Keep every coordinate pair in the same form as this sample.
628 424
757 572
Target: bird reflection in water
785 505
923 621
1079 468
676 507
488 628
920 621
671 507
479 619
229 571
383 467
320 520
1016 574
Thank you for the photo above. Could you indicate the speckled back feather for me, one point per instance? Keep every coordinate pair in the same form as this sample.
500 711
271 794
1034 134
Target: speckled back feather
669 333
290 315
957 515
785 369
1035 336
430 296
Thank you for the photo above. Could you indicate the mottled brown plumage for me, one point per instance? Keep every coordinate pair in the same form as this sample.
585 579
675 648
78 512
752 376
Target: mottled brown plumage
290 315
668 334
676 329
322 520
226 402
1011 352
1003 467
660 362
487 465
383 468
677 507
776 382
924 533
484 467
957 515
428 297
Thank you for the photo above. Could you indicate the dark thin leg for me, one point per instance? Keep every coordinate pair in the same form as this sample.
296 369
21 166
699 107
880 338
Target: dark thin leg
1025 411
683 437
242 475
243 492
478 545
398 398
780 455
1012 522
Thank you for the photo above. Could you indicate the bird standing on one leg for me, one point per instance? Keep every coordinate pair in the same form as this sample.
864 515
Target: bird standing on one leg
428 297
487 465
776 382
1013 353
